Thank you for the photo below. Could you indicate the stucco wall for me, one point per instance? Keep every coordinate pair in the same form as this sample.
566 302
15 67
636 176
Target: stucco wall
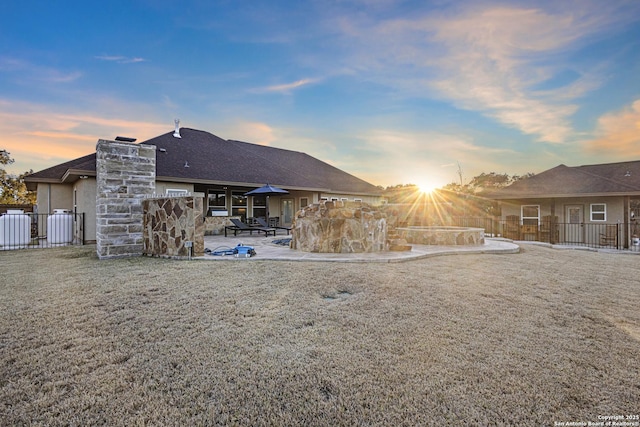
615 207
54 196
86 203
585 230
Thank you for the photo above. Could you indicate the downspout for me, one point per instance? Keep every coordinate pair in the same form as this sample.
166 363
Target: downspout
48 198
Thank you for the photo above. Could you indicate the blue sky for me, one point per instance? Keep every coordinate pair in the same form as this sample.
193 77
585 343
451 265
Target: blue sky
393 92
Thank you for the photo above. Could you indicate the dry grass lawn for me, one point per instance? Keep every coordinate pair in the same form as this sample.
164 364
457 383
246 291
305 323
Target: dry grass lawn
529 339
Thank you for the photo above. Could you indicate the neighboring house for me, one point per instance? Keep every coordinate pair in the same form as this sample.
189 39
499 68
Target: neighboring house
223 170
591 204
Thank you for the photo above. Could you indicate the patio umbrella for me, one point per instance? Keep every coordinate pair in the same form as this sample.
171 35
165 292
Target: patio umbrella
267 190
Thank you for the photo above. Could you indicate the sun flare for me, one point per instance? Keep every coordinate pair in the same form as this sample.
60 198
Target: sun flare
426 187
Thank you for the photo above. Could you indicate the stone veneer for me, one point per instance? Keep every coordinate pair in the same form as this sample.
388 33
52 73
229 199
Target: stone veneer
339 227
214 225
444 236
125 175
169 222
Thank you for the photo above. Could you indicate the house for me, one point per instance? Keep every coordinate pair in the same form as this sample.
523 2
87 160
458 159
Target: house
190 160
596 205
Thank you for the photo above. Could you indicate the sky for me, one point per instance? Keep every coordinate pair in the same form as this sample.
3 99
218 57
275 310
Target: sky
394 92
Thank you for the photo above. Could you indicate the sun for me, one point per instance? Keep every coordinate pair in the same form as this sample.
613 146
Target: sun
426 187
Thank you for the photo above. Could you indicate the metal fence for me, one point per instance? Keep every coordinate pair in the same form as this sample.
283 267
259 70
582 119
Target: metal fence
30 230
614 236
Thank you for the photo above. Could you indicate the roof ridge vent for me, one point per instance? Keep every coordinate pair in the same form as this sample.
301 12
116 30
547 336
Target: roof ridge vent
176 133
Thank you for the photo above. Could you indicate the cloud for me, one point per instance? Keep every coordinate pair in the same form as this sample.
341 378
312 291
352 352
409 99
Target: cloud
286 87
59 135
120 59
383 156
22 69
492 66
11 64
390 157
254 132
618 133
55 76
39 135
494 60
168 103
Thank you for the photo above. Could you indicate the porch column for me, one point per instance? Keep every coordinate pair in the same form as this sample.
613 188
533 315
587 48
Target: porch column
625 233
554 224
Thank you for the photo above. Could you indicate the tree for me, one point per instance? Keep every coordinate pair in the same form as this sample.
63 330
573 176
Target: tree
490 180
401 193
486 182
13 190
475 202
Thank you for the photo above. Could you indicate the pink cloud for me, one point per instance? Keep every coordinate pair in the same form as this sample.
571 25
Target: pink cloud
619 133
39 136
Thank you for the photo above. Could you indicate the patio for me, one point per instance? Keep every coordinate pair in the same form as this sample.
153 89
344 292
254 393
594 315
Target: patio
266 249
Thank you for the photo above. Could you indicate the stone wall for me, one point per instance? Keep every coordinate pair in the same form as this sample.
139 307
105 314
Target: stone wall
125 175
214 225
169 222
444 236
339 227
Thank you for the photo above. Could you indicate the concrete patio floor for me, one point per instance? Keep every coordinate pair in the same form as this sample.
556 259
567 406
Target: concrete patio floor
267 250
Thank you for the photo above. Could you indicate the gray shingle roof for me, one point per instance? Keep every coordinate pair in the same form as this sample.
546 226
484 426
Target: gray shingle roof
214 160
85 165
588 180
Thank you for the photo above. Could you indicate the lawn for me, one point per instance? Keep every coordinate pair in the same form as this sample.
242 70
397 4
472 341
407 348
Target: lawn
541 337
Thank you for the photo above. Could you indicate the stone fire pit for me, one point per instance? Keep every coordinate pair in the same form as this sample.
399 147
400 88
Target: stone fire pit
339 227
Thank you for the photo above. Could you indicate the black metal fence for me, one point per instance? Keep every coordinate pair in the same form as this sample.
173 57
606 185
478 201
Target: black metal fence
614 236
30 230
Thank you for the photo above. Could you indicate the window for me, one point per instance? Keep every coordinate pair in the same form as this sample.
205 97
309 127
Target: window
239 204
598 212
304 202
260 206
217 203
530 214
